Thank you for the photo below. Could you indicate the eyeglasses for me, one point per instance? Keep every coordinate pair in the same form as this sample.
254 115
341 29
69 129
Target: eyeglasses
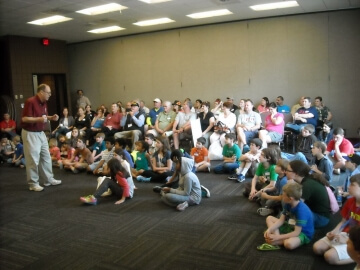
49 93
289 170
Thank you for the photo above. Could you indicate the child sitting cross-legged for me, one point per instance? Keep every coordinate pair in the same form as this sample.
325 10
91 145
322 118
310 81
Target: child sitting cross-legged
248 161
231 153
271 199
54 150
200 156
98 166
141 161
18 159
117 184
333 245
295 227
265 176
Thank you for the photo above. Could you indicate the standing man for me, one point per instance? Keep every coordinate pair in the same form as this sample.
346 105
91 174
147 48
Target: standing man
82 101
8 126
36 148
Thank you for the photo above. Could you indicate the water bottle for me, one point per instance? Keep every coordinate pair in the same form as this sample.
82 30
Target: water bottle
339 196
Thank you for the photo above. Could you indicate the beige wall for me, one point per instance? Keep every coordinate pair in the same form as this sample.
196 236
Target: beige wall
315 54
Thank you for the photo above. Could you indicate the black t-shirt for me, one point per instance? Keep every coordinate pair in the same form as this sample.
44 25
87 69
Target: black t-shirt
205 122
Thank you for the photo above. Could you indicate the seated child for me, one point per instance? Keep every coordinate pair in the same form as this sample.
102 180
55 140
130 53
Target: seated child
150 140
249 160
353 245
304 143
265 176
231 154
118 184
141 161
333 245
7 150
271 199
54 152
18 159
67 154
120 143
97 167
322 164
73 136
295 227
82 157
352 166
98 147
200 155
60 140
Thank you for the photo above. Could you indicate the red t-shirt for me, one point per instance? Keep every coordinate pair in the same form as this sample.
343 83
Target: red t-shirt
350 212
9 124
345 147
113 120
34 108
124 184
199 154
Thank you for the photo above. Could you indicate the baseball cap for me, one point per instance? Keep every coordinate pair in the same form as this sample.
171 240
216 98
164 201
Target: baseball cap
134 103
157 100
353 158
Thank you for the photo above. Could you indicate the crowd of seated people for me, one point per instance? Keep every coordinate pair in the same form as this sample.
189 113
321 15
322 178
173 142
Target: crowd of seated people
246 140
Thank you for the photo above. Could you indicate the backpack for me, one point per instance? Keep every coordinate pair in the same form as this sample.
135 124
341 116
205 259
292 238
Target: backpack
333 202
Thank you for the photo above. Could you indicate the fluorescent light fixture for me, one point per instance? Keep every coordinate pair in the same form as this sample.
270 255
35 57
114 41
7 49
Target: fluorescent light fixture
154 1
208 14
106 29
51 20
285 4
102 9
154 22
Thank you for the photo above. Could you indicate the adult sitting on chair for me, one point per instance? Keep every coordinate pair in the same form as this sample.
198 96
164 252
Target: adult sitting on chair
133 124
153 115
182 124
112 121
274 126
164 122
8 126
248 124
304 116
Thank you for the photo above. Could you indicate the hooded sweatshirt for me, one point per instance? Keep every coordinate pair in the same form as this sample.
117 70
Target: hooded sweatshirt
189 184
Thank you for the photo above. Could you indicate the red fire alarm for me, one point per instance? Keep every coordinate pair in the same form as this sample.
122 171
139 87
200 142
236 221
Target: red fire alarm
45 42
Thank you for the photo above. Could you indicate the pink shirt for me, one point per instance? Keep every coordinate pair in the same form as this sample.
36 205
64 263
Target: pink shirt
55 152
271 127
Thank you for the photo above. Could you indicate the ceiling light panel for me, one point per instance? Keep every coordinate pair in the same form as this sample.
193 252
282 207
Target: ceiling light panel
154 1
51 20
154 22
102 9
277 5
207 14
106 29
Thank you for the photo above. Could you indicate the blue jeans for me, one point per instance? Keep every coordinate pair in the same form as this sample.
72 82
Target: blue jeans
319 220
226 167
296 156
296 127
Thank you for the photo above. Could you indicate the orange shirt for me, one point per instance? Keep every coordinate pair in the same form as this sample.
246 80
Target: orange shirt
199 154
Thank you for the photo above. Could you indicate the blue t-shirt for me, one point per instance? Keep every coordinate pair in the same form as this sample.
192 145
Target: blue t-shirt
232 151
280 183
19 150
283 109
312 121
128 158
301 216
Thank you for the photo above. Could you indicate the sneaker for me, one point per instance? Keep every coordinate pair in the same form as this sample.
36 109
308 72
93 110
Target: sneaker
182 206
141 178
240 178
233 177
53 182
36 188
209 169
206 191
157 189
89 200
264 211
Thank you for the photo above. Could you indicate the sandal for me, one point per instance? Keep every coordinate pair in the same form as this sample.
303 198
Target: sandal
267 247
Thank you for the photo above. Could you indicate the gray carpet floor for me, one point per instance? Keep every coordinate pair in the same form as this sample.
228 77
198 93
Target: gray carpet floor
52 229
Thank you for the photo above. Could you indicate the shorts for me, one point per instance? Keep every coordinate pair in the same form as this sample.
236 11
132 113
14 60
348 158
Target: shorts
340 248
286 228
275 136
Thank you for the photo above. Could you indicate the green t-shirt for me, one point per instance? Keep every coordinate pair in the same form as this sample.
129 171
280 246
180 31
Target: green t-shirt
232 151
269 173
141 161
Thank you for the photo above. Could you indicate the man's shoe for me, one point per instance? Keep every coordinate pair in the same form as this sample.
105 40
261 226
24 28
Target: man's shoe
53 182
36 188
205 191
182 206
233 177
89 200
240 178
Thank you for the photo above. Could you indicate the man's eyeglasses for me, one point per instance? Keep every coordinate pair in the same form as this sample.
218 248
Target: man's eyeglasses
49 93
